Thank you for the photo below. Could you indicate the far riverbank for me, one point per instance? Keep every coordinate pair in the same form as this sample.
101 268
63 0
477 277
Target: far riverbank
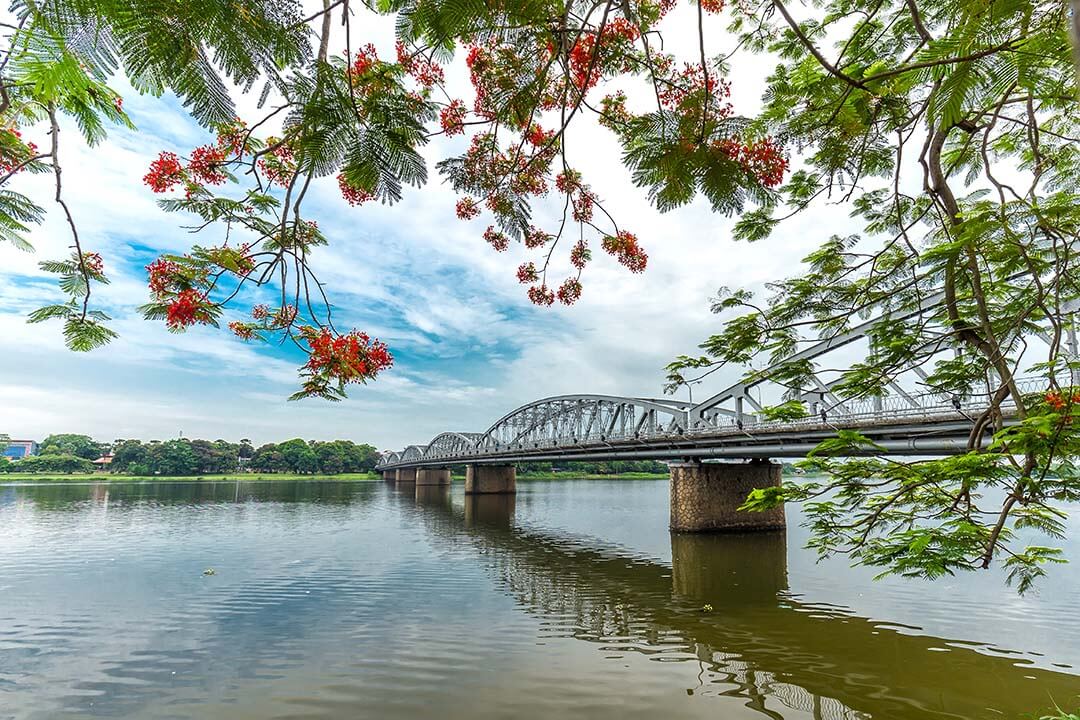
22 478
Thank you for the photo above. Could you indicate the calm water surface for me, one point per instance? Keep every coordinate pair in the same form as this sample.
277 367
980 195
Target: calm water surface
570 600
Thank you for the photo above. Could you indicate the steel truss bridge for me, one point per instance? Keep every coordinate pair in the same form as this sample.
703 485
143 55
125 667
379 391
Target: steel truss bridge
727 425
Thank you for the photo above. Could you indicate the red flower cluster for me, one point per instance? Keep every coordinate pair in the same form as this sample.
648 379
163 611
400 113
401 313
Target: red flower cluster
538 136
763 159
687 90
233 137
614 115
712 6
206 165
535 237
582 199
486 165
580 254
585 69
583 204
1058 402
354 195
93 263
527 273
244 331
244 262
184 305
365 59
187 308
347 358
165 173
569 291
479 63
279 165
626 250
260 312
284 316
467 208
541 295
495 70
568 182
452 118
496 239
427 72
162 274
10 161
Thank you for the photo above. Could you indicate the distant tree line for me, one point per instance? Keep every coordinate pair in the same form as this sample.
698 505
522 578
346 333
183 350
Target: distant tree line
63 453
330 458
60 463
178 457
69 453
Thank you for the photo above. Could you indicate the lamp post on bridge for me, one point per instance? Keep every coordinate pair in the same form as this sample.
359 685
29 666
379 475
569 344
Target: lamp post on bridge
690 389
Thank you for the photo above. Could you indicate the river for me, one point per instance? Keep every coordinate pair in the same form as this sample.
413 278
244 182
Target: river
323 599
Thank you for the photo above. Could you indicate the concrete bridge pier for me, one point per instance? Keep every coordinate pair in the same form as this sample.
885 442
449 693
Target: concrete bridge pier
389 476
705 497
432 476
406 476
483 479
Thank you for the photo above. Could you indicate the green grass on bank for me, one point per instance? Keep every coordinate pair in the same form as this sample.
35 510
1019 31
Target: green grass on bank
278 477
235 477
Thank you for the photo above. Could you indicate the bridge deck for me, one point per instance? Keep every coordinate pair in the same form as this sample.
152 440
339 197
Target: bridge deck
934 432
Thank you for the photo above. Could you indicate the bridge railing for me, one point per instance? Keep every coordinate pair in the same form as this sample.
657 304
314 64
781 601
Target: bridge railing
872 410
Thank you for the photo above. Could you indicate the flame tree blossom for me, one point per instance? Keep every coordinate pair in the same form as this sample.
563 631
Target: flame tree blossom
350 114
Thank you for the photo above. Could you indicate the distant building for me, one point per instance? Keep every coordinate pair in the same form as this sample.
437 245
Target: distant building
18 449
104 461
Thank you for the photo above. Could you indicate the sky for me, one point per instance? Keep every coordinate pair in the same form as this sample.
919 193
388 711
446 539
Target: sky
468 345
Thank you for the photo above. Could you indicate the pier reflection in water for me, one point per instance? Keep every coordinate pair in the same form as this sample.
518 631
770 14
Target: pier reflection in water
337 600
725 603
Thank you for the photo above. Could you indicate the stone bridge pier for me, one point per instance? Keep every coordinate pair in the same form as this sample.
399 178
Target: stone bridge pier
485 479
405 476
389 475
705 497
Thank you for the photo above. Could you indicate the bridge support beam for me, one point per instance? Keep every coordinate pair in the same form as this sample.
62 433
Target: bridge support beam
484 479
406 476
432 476
389 475
706 497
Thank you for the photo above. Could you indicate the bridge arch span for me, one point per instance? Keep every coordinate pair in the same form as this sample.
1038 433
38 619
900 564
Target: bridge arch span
567 420
451 444
413 452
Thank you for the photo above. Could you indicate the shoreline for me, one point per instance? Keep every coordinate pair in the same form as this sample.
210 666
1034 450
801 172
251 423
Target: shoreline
81 479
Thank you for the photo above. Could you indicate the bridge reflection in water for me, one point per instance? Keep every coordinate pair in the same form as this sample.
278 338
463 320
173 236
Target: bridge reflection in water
726 605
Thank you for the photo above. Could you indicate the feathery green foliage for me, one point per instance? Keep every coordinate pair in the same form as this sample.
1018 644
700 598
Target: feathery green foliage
950 132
